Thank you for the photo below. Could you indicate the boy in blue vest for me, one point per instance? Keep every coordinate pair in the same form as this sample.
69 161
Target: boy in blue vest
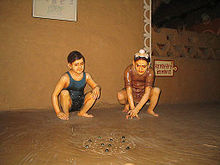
69 91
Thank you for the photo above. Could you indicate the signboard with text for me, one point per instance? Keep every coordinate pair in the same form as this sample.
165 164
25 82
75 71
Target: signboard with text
164 68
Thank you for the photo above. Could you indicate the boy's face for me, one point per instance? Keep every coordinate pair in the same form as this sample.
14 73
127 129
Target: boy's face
140 66
77 66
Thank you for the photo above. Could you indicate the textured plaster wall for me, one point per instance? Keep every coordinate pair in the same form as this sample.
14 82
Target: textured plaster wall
33 51
33 54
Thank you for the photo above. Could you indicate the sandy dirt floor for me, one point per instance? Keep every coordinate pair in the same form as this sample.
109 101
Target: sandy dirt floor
182 135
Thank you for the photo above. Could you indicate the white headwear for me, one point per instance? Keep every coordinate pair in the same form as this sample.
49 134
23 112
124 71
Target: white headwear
142 53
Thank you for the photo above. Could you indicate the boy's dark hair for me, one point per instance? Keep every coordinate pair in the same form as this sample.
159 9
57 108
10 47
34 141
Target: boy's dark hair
141 58
73 56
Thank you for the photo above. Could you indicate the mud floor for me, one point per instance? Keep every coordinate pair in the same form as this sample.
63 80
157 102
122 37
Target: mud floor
182 135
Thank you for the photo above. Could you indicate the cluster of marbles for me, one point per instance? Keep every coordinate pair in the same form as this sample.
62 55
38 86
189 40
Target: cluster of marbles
108 145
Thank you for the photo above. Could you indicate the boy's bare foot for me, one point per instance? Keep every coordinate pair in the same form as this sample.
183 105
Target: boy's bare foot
126 108
152 113
85 115
63 116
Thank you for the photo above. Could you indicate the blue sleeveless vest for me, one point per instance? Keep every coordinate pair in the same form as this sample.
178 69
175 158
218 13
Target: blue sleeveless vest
76 87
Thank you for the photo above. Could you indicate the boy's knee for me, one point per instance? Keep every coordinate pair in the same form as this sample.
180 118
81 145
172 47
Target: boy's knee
120 96
157 90
64 93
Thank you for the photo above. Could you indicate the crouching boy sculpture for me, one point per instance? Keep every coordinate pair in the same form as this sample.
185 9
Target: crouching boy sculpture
139 79
69 91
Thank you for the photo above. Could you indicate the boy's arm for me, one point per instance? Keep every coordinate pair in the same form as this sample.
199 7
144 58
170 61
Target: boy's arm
145 97
130 97
60 85
95 87
128 84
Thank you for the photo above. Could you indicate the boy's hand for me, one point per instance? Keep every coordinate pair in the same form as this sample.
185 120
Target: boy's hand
132 113
96 92
62 116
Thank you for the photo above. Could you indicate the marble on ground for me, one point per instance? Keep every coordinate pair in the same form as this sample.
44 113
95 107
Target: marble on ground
183 134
